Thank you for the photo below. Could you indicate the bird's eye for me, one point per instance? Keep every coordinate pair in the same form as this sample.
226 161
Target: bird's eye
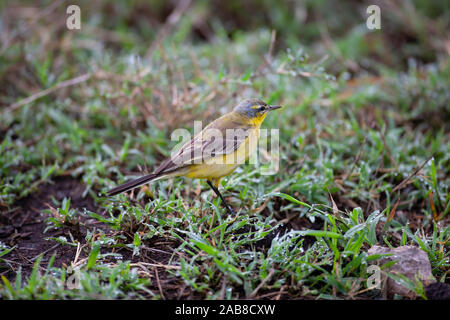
261 108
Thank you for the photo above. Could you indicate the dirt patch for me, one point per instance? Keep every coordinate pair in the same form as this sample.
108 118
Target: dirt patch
438 291
24 225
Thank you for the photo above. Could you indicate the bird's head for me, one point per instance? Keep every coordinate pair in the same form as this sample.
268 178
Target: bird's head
254 109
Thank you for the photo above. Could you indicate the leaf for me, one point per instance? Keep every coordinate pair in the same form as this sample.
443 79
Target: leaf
378 256
7 284
66 205
136 244
320 233
207 248
392 213
6 251
372 222
291 199
352 231
93 256
246 75
335 208
137 240
403 280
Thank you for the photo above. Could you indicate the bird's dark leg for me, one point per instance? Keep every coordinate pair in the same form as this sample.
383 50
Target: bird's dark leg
216 190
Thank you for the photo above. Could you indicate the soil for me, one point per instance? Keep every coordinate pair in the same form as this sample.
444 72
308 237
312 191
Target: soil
438 291
24 226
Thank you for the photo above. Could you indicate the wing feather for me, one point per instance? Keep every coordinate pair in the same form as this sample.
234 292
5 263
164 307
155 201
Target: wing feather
219 138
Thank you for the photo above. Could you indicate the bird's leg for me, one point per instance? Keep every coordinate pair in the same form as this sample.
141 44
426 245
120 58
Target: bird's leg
216 190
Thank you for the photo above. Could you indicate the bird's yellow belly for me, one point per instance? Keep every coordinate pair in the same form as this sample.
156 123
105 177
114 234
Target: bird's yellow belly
224 165
210 171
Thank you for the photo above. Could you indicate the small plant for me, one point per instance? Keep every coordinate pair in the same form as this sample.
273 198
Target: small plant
62 217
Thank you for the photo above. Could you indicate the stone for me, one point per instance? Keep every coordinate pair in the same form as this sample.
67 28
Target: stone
412 263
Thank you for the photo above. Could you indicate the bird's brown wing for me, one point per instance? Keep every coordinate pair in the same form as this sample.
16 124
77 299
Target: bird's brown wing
221 137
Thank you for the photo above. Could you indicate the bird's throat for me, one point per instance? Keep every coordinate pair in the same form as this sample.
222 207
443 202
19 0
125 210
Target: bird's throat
256 121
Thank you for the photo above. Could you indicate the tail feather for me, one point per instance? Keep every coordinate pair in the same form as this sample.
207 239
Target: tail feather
132 184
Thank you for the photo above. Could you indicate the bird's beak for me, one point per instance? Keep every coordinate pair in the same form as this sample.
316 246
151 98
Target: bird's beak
273 108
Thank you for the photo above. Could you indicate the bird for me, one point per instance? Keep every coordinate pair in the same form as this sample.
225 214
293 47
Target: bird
215 152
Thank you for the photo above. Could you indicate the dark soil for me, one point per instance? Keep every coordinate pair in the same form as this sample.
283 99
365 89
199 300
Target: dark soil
24 225
438 291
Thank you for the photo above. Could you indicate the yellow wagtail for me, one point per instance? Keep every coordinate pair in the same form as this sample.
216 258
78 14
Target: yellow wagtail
215 152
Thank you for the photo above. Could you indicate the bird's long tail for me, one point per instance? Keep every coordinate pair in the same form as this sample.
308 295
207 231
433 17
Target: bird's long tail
132 184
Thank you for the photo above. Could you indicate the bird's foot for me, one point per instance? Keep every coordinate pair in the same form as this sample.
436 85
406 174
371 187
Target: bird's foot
231 211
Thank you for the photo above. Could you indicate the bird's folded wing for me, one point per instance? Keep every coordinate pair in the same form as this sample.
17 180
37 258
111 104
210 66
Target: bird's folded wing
210 143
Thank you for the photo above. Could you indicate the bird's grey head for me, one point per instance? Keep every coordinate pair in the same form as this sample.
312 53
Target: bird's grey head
253 108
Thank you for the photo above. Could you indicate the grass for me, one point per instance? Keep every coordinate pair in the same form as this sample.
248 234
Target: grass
364 157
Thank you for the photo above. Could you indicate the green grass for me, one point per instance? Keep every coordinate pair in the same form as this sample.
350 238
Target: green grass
348 138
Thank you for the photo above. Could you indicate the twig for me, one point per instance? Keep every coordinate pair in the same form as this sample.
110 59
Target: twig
77 254
275 293
45 92
266 279
223 289
159 284
156 250
43 253
335 208
392 213
403 183
158 265
281 292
